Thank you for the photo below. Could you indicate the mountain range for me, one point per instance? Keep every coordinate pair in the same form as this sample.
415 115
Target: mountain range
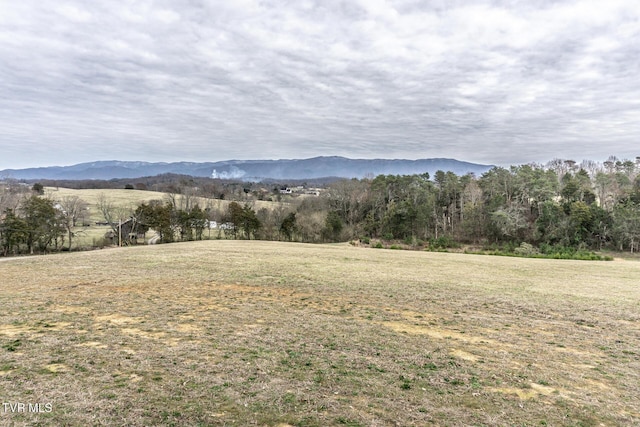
250 170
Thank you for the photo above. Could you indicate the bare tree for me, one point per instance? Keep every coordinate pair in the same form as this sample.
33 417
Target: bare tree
10 194
559 166
71 209
112 213
591 167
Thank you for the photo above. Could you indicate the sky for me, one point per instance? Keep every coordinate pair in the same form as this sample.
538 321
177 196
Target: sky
493 82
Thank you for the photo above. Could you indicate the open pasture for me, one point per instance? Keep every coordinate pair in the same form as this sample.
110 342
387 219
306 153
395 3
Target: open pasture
128 201
120 197
277 334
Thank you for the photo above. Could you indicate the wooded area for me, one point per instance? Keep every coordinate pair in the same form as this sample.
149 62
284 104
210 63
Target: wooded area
558 206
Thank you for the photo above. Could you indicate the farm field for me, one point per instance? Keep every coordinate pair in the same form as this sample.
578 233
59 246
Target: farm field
121 197
241 333
129 199
132 198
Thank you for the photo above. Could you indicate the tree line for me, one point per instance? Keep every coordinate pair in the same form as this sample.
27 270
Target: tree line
562 204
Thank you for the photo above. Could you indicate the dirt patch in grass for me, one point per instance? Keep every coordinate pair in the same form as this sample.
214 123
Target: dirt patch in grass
57 367
531 391
435 332
118 319
263 333
464 355
94 344
13 330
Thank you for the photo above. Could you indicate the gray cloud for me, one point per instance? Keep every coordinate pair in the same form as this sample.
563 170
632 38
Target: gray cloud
495 82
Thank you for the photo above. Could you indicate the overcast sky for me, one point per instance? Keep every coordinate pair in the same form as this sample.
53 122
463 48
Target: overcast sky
501 82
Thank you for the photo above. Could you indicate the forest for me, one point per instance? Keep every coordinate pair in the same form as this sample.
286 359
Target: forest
559 206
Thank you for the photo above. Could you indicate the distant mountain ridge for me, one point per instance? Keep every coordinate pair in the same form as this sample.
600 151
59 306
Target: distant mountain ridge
251 170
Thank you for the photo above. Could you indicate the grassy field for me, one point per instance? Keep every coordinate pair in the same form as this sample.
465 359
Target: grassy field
121 197
130 199
241 333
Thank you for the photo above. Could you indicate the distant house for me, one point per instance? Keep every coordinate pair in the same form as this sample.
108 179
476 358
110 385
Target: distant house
132 232
286 190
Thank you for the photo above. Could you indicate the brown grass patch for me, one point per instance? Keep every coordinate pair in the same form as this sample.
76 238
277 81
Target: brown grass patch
535 390
464 355
13 330
437 333
118 319
94 344
57 367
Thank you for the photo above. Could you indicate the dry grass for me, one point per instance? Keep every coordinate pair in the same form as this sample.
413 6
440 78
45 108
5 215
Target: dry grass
121 197
265 333
130 199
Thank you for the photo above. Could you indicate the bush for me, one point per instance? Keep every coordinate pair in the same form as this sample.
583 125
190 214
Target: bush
365 240
548 252
443 242
101 242
377 245
526 249
38 188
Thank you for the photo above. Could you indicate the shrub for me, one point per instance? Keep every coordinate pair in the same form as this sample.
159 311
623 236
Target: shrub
548 252
526 249
101 242
443 242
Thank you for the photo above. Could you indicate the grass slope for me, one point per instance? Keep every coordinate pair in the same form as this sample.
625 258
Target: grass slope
131 199
276 334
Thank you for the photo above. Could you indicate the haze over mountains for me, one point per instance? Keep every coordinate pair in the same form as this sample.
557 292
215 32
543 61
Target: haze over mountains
251 170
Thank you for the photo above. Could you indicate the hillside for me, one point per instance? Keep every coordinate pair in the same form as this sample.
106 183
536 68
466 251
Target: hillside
132 198
128 201
251 170
277 334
